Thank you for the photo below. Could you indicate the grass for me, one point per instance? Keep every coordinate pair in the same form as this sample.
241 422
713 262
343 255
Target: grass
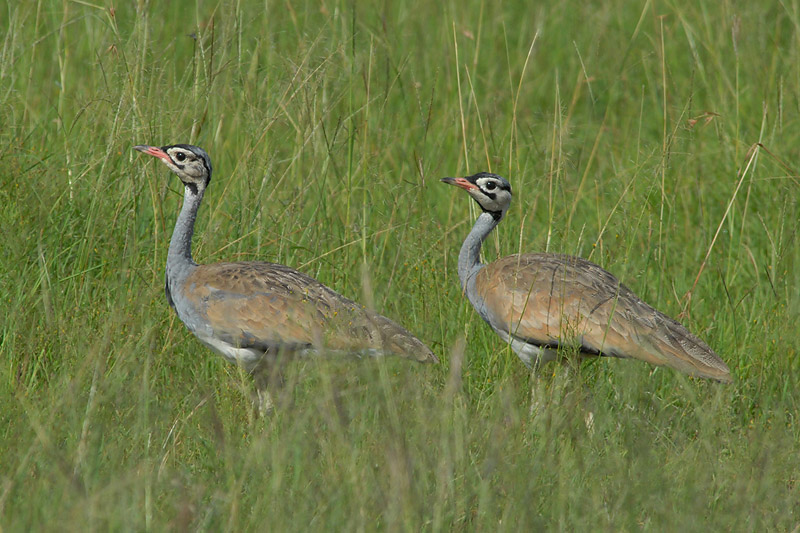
629 132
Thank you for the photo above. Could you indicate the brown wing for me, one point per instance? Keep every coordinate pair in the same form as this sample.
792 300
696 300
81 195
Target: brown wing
549 299
265 305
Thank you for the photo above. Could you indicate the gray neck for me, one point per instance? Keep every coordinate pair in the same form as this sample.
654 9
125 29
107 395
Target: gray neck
179 258
469 261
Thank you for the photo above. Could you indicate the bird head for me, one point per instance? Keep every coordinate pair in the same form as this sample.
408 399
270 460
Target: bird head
492 192
190 163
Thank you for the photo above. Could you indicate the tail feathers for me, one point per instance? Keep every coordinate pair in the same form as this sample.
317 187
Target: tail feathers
675 346
397 340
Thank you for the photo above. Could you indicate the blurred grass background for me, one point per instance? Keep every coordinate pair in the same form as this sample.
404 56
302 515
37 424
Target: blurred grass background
629 131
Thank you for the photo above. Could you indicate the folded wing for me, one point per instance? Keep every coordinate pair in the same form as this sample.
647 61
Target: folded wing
268 306
550 300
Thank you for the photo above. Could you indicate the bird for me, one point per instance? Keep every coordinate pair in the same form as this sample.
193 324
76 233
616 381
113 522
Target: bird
540 302
255 312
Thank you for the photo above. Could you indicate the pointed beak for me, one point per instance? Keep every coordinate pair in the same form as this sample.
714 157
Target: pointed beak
463 183
154 151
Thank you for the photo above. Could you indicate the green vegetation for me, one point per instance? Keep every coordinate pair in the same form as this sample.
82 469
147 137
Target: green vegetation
629 133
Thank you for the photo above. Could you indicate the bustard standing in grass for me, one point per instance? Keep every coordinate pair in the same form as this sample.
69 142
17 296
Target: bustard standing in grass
253 312
538 302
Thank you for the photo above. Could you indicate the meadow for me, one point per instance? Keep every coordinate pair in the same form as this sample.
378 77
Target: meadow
658 139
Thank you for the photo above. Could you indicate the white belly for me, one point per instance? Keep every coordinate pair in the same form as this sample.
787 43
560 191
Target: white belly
531 355
247 358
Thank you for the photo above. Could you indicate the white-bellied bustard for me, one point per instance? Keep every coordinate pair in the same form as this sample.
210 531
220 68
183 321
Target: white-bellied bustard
537 302
254 312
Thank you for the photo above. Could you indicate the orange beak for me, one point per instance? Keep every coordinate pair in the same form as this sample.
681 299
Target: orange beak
462 183
154 151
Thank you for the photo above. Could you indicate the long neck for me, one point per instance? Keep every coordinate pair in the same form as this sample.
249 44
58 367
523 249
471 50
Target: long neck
180 246
469 261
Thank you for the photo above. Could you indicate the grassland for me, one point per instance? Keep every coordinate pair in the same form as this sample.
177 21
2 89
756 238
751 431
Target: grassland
629 131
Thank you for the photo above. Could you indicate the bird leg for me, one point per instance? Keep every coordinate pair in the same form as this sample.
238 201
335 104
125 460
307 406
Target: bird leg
263 403
536 380
268 376
535 404
567 363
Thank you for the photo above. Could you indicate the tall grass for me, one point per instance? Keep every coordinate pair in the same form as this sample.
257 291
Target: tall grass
630 134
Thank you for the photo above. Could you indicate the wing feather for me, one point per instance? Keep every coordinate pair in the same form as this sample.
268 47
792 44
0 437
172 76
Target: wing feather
550 299
266 305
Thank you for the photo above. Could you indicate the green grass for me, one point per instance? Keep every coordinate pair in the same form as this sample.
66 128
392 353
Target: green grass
627 131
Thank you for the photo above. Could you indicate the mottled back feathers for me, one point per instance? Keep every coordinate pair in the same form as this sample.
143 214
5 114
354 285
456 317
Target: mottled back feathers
267 306
549 299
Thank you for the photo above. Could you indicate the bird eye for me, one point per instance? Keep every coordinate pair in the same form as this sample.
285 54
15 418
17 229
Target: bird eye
491 186
180 156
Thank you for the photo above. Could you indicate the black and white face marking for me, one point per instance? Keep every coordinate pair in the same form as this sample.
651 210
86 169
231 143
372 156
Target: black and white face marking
492 192
190 163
